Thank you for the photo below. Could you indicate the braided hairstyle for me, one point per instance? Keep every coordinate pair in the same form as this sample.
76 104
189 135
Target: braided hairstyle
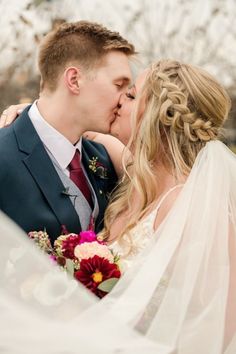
185 107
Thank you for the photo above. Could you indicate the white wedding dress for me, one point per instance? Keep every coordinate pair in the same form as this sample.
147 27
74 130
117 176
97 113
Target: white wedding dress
176 296
141 235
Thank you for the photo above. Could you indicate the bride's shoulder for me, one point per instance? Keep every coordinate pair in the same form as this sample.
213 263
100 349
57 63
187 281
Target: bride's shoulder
166 203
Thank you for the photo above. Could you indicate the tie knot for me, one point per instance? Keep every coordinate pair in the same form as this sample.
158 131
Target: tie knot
75 162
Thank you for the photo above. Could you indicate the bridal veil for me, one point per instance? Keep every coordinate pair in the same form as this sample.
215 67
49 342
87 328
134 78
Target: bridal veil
178 297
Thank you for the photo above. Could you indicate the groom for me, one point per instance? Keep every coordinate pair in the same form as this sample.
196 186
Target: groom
50 177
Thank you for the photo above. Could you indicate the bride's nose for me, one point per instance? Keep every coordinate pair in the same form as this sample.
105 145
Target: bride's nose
121 100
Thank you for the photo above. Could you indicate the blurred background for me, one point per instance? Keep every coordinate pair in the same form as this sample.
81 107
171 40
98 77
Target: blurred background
199 32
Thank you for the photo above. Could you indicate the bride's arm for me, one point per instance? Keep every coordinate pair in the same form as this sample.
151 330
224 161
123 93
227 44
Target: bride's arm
114 148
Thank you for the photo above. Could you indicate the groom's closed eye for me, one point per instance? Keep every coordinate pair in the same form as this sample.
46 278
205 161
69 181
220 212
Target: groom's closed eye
122 83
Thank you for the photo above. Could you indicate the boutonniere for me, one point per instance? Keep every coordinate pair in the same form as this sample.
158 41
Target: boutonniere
98 168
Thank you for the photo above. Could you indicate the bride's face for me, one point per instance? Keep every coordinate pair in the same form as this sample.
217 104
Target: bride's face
121 126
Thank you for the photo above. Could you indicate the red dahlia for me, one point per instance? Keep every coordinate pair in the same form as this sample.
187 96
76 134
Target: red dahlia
95 270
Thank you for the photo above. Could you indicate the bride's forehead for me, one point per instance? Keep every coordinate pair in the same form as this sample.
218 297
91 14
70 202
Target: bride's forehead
141 79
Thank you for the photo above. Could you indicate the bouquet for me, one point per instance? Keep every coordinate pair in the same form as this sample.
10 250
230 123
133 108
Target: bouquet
84 256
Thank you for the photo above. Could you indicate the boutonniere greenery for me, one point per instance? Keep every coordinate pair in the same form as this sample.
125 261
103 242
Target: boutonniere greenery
97 168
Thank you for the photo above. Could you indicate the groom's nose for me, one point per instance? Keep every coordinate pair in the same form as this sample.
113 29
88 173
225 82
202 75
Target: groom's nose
121 99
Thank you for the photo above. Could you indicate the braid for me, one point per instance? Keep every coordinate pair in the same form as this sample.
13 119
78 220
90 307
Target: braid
176 109
197 129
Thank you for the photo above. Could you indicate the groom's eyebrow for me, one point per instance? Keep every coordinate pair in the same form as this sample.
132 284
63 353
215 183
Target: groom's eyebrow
123 78
126 80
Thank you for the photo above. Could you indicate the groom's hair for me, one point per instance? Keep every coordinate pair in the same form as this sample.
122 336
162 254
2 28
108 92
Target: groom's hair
83 43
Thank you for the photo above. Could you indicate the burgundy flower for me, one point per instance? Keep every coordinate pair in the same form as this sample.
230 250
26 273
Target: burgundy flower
69 244
64 230
95 270
61 261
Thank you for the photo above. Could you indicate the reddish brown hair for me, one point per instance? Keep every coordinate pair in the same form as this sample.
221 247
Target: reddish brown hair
82 42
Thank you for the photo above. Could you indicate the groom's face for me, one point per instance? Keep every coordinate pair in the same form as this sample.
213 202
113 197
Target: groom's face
100 91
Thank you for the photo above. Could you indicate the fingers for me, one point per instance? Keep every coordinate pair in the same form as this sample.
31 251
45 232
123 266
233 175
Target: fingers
90 135
9 115
3 119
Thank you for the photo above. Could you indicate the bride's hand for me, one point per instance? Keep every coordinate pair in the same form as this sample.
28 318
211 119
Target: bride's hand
11 113
91 135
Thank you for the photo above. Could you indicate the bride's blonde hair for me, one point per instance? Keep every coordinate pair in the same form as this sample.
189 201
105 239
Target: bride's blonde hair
185 107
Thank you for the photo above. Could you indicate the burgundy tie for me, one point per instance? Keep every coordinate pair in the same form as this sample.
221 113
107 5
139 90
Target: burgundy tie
78 177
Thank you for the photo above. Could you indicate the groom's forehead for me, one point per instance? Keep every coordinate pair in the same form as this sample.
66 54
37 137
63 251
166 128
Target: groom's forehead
118 63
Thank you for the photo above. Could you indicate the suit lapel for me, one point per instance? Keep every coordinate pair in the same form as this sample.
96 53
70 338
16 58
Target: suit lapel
42 170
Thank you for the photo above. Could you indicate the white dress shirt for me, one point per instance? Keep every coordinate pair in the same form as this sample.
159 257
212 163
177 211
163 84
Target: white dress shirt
54 142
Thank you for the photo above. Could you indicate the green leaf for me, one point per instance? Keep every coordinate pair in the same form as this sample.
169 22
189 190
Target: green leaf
108 284
70 266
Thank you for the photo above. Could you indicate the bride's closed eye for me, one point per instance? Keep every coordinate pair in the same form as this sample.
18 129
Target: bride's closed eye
128 94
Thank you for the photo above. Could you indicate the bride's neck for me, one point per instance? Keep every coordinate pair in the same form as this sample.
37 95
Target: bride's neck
166 179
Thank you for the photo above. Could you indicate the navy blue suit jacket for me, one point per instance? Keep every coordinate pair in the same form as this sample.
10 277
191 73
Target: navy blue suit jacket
31 192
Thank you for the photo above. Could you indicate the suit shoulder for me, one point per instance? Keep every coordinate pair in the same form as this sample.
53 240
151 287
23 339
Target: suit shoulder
6 136
6 131
8 146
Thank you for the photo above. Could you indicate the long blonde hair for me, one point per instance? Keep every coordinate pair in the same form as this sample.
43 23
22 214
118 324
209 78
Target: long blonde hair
185 107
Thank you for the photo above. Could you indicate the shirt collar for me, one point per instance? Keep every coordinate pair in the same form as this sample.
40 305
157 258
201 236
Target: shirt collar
56 143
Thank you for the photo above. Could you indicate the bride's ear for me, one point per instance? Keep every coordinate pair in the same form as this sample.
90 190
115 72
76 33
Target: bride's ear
72 77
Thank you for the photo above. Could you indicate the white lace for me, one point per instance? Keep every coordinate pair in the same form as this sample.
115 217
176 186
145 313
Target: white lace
141 234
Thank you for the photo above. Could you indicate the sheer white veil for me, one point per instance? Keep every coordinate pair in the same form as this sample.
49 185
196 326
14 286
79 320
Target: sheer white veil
178 297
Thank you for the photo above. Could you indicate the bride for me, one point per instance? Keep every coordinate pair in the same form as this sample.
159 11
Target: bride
172 220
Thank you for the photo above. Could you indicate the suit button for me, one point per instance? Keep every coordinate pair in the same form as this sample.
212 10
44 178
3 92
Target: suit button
100 191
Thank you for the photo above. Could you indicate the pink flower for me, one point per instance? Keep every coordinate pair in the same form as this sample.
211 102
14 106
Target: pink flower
89 249
87 236
53 258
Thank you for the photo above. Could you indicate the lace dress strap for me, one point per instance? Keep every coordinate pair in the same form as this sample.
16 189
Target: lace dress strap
164 197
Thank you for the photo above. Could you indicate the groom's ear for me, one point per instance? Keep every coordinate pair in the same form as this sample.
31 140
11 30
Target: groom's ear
72 77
